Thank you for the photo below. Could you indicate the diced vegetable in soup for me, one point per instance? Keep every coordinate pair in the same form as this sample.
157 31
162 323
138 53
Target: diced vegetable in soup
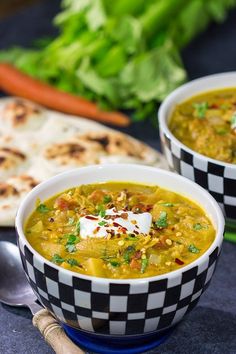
119 230
207 124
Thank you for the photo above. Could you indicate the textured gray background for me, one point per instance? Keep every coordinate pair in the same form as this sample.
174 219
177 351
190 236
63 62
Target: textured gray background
211 327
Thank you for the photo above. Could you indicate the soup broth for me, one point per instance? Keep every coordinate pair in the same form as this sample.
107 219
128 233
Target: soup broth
119 230
207 124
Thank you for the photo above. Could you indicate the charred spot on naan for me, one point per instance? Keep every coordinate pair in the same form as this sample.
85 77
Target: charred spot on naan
12 160
23 115
23 183
73 152
7 190
114 143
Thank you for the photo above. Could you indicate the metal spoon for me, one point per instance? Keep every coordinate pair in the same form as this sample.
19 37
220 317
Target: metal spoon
16 291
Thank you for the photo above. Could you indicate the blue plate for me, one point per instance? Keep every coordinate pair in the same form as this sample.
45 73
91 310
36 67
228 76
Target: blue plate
115 345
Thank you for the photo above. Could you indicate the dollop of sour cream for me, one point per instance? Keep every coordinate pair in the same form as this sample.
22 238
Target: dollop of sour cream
115 222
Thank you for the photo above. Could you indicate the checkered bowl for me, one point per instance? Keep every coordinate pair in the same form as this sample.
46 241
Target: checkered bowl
218 177
114 307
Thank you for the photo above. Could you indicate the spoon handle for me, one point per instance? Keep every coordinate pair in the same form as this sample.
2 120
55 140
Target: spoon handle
54 334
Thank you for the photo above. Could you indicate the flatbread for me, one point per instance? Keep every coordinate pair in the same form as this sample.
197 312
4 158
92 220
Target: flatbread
36 143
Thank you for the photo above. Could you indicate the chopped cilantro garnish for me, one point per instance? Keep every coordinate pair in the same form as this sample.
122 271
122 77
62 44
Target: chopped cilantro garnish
201 109
42 208
57 259
107 199
131 237
193 249
70 248
71 221
102 223
72 262
199 226
167 204
71 241
128 253
144 264
101 210
233 121
114 263
162 221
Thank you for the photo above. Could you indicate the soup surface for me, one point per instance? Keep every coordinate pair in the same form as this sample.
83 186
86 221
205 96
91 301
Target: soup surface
207 124
119 230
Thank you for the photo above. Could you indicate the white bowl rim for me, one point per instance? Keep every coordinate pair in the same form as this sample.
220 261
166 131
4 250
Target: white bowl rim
167 103
217 241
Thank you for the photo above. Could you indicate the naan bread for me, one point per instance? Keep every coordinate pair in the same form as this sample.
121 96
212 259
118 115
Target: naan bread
22 115
36 144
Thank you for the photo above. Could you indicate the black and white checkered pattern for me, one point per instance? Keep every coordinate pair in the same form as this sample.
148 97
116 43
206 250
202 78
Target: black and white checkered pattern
219 180
107 307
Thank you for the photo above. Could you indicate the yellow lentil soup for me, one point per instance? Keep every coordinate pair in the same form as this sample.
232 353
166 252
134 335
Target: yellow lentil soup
119 230
207 124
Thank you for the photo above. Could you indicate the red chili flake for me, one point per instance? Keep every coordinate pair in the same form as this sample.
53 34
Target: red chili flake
111 232
178 261
148 207
116 224
96 230
91 217
123 230
214 105
137 254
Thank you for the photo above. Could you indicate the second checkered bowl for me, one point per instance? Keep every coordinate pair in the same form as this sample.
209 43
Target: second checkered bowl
116 307
218 177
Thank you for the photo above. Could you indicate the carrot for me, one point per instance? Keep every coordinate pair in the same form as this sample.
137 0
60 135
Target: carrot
14 82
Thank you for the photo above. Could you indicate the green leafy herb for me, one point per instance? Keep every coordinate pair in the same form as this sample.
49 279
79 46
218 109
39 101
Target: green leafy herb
102 223
144 264
71 221
101 210
72 262
70 248
199 226
71 242
114 263
57 259
233 121
71 239
193 249
128 253
162 221
201 109
131 237
167 204
107 199
42 208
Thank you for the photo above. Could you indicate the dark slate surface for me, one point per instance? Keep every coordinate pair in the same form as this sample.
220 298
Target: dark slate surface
211 327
